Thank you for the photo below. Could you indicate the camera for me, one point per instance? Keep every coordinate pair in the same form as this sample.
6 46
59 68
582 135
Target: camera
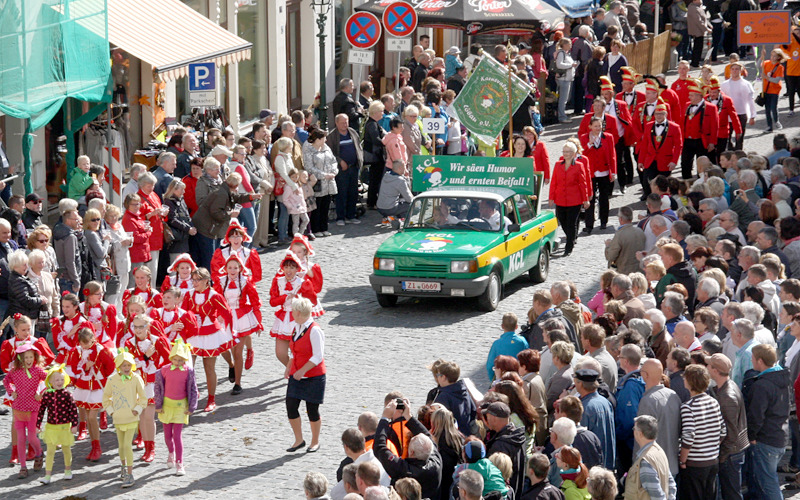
401 405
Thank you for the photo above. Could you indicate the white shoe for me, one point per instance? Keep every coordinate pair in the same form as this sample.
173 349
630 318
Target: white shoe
327 233
319 235
340 223
353 221
778 124
179 470
171 461
68 475
44 480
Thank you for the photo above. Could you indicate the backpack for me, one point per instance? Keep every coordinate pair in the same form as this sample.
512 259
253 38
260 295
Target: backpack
554 69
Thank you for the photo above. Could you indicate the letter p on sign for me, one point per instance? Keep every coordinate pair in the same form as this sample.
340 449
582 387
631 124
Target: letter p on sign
202 76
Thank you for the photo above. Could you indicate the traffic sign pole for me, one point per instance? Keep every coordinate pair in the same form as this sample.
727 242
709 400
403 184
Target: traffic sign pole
399 20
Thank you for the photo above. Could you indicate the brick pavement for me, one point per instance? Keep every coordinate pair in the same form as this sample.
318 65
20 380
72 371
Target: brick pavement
369 351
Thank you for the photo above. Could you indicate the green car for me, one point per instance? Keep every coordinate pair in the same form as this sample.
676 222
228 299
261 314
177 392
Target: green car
465 242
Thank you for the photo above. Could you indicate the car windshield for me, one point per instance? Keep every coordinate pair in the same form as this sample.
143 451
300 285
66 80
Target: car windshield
471 214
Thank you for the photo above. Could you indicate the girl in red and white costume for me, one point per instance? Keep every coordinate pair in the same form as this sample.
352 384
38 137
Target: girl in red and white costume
65 327
180 275
174 321
233 244
287 284
303 249
89 365
22 335
245 306
142 278
101 314
151 352
214 336
136 306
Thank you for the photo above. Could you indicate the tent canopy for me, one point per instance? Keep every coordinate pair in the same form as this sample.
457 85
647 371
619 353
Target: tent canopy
478 16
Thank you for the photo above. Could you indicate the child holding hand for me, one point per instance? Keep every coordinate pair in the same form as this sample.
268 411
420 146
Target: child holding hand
295 202
176 399
124 399
62 421
23 384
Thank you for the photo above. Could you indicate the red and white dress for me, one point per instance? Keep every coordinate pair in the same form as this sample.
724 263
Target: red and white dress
8 351
184 285
250 257
317 310
105 314
64 337
167 318
244 303
147 367
125 330
214 322
152 298
281 287
89 382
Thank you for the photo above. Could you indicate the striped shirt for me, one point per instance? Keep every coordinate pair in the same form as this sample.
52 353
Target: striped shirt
702 430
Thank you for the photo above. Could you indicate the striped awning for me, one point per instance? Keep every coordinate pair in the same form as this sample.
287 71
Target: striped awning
169 35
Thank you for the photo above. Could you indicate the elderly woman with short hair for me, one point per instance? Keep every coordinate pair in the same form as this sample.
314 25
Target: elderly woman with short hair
47 287
214 215
374 152
315 486
39 239
178 219
23 295
152 210
209 182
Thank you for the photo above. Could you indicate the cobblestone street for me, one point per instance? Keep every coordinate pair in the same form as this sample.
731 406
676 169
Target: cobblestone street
239 448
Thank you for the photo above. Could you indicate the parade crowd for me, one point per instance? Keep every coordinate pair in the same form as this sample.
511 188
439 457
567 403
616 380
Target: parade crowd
677 380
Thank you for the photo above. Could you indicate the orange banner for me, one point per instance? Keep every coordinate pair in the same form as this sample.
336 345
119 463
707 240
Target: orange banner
764 27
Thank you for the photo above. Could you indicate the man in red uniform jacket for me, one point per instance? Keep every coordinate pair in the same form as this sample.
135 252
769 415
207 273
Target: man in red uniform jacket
625 127
700 124
671 98
631 96
645 110
660 147
681 85
727 119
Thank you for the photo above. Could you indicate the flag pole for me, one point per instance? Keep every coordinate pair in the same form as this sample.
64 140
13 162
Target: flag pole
510 109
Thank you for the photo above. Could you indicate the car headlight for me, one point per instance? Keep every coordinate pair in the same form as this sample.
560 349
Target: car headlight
380 264
463 266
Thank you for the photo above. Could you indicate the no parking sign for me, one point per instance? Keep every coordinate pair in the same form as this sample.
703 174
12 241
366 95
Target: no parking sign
400 19
362 30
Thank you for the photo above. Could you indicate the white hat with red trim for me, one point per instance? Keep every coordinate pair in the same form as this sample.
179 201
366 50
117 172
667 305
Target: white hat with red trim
235 257
303 240
235 225
180 259
291 256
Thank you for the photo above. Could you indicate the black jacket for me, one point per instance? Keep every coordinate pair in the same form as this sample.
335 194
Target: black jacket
533 333
428 473
543 491
23 296
511 441
374 151
450 459
31 219
766 398
344 103
419 74
180 222
455 397
682 273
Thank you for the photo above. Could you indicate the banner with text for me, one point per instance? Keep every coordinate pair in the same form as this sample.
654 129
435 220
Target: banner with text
473 172
482 105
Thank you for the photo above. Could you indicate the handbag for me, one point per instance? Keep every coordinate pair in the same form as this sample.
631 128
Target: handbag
169 235
280 183
761 98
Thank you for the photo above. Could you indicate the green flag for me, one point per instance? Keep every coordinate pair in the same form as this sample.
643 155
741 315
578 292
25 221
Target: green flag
482 105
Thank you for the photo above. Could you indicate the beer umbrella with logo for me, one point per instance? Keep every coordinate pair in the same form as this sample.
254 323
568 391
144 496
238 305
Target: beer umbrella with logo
479 16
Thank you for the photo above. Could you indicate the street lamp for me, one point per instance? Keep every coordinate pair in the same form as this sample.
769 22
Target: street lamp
321 8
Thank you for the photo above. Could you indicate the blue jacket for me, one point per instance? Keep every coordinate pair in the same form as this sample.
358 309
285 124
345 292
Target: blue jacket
629 393
598 417
455 397
509 344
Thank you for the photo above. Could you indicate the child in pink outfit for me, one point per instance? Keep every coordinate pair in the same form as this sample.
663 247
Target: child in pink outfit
24 382
295 202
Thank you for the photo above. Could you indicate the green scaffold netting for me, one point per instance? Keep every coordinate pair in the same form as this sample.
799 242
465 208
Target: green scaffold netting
51 50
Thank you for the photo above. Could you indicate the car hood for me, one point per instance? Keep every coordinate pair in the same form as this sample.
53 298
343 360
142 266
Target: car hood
432 242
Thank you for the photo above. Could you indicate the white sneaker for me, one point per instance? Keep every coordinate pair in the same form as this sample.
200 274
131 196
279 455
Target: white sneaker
778 124
353 221
179 470
319 235
171 461
45 480
327 233
340 223
68 475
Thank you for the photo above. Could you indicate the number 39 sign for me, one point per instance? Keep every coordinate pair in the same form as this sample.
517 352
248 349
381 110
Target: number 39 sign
433 125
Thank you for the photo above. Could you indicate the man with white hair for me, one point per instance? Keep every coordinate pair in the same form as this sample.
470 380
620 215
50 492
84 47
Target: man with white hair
754 312
767 241
740 200
757 277
747 183
708 214
137 169
729 221
742 333
658 228
562 433
164 173
424 463
672 306
621 289
470 485
748 257
344 103
660 340
375 493
685 336
708 295
184 160
664 405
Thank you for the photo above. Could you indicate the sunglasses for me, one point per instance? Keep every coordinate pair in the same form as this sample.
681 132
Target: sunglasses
43 241
94 220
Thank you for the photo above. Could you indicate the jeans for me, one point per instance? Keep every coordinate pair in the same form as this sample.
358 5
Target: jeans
64 285
564 87
398 211
683 47
347 184
283 222
763 471
716 40
794 431
730 477
247 216
698 482
206 246
771 109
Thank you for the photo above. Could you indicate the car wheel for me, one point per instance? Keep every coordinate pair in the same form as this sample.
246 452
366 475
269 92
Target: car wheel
386 300
490 298
539 272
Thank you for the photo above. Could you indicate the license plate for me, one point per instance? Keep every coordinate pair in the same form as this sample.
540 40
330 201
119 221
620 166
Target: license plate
421 286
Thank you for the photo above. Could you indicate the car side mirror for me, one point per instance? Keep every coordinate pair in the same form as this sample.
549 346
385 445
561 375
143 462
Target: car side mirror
512 228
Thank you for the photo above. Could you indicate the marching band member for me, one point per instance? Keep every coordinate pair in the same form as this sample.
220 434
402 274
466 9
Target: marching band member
660 147
599 147
180 275
65 328
233 244
728 118
174 321
700 124
625 130
287 284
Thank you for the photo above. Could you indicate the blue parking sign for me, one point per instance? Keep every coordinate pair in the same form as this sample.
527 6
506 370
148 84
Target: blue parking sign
202 77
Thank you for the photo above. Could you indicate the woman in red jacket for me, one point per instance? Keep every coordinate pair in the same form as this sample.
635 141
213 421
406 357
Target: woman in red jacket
134 222
541 159
598 146
153 212
570 189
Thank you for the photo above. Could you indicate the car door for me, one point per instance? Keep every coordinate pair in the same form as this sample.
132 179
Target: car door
531 234
515 243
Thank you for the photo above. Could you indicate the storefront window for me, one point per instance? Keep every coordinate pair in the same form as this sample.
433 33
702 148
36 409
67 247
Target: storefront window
252 26
200 6
342 9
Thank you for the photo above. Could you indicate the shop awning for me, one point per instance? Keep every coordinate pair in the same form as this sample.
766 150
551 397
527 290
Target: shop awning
170 35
